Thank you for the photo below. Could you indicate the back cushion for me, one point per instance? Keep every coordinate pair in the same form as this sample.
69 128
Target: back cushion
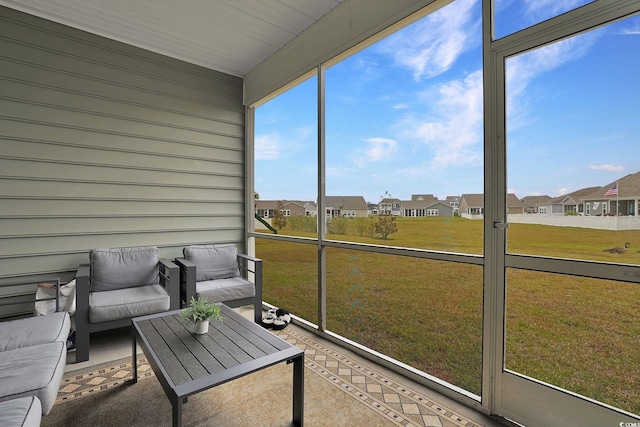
213 261
120 268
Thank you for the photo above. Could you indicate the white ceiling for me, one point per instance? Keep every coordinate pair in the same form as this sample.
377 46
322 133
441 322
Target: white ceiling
232 36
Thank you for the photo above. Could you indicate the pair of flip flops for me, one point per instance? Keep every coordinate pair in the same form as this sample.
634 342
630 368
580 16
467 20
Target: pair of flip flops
276 318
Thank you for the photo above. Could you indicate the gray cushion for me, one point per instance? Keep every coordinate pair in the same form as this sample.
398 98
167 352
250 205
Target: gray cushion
34 330
221 290
127 303
22 412
213 261
33 371
123 268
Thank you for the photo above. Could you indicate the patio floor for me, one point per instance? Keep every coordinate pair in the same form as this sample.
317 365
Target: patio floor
403 401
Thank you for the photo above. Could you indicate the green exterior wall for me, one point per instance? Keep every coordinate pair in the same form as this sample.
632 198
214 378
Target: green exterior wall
103 144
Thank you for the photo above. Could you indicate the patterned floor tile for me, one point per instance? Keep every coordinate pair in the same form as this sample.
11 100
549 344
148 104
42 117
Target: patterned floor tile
397 403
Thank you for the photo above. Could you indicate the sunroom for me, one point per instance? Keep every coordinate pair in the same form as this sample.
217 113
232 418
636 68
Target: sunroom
152 123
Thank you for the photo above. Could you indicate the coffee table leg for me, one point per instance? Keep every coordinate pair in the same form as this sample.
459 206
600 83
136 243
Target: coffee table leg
134 358
177 412
298 390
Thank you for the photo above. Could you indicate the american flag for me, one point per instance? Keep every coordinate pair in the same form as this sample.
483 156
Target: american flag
613 191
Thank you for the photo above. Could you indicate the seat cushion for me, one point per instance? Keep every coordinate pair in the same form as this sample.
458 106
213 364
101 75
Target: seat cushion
121 268
22 412
222 290
34 330
33 371
213 261
127 303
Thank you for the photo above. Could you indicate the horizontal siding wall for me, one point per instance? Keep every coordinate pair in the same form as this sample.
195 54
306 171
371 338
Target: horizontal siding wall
106 145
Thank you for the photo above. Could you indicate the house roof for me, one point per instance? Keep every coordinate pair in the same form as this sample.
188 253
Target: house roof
228 36
346 202
390 200
532 201
513 201
418 204
477 200
423 197
628 187
272 204
473 200
576 196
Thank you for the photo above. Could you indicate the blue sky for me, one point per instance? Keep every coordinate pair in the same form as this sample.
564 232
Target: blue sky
404 116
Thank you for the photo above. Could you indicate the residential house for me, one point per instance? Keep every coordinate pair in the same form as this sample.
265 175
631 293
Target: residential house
531 203
472 205
346 206
568 204
417 206
267 208
514 205
454 202
423 208
621 198
390 206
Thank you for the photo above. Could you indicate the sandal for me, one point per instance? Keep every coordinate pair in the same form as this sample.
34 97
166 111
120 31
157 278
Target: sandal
283 318
269 318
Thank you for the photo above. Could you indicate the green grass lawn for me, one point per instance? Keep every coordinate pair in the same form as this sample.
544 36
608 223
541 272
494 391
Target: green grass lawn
579 334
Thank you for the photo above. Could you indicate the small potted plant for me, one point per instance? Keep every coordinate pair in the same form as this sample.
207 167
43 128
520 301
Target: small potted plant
198 314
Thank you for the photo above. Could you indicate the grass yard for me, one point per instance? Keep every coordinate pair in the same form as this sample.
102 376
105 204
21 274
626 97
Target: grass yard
579 334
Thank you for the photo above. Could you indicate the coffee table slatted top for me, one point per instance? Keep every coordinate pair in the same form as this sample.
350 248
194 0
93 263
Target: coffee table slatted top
185 357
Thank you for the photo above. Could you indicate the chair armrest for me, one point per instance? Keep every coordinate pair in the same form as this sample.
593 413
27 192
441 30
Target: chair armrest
83 283
170 279
187 279
249 257
243 262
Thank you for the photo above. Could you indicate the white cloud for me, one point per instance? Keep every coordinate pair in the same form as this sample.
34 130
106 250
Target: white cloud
523 69
560 192
267 147
337 171
431 46
272 147
545 9
607 167
633 26
378 149
454 132
401 107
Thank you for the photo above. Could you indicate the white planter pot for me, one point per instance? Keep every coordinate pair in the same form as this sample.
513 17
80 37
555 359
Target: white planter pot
201 327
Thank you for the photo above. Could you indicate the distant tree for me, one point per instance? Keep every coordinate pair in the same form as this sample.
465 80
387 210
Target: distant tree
386 226
279 220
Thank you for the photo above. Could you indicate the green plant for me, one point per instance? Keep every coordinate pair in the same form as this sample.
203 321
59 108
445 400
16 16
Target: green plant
385 226
279 220
338 225
200 310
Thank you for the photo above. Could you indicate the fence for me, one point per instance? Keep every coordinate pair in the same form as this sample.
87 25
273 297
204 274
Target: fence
596 222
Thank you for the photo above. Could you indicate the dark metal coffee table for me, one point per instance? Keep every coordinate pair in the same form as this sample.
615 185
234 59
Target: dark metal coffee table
186 364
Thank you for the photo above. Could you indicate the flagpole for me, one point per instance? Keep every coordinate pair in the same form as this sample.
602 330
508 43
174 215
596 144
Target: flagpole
617 197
